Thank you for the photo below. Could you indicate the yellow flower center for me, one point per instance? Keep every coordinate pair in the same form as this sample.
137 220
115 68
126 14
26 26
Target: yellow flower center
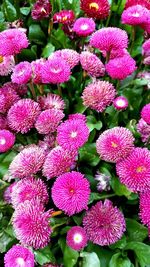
1 59
114 144
43 10
140 169
64 18
94 5
71 191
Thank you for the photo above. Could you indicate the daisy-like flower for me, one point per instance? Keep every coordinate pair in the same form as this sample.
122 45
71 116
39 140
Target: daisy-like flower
84 26
145 207
69 55
135 15
92 64
72 134
48 143
144 3
48 121
98 95
64 16
108 39
7 140
120 103
31 224
76 238
146 48
29 161
58 161
6 65
134 171
36 70
144 129
104 224
115 144
19 256
98 9
22 115
8 97
146 60
71 192
21 89
41 9
27 189
55 70
121 67
51 101
3 122
77 116
12 42
145 113
8 192
22 73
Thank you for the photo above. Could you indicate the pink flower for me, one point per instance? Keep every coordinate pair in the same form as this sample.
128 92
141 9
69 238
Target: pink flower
31 224
22 73
84 26
8 193
3 122
8 97
51 101
104 224
92 64
22 115
55 71
144 129
12 42
121 67
98 9
120 103
21 90
7 140
58 161
115 144
98 95
134 171
48 121
135 15
6 65
145 113
146 60
76 238
71 192
64 16
29 161
144 3
19 256
77 116
69 55
41 9
145 207
37 70
72 134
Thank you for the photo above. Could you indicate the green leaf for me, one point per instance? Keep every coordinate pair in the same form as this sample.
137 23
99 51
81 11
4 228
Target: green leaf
48 50
136 231
44 255
89 155
142 252
90 259
25 10
71 4
119 244
70 257
92 123
103 254
118 261
119 189
9 11
36 34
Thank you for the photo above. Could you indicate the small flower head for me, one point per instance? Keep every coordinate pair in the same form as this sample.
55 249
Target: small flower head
76 238
134 171
103 181
145 113
7 140
77 116
120 103
144 3
145 207
6 65
84 26
98 95
12 42
135 15
98 9
69 55
71 192
19 256
37 70
22 73
51 101
104 224
8 97
115 144
146 48
41 9
21 90
22 115
144 129
92 64
3 122
64 16
8 193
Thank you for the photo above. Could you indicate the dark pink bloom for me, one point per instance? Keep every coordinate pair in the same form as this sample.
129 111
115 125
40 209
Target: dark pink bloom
6 65
71 192
7 140
120 103
41 9
135 15
146 48
84 26
22 73
21 89
3 122
77 116
69 55
145 207
98 9
8 193
36 70
144 3
104 224
51 101
144 129
145 113
76 238
8 97
64 16
92 64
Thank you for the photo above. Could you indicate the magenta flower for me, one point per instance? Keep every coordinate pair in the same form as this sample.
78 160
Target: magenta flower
37 70
41 9
135 15
12 42
8 193
144 129
29 161
64 16
144 3
6 65
48 121
7 140
98 9
19 256
115 144
51 101
21 90
69 55
77 116
98 95
104 224
72 134
3 122
134 171
145 113
58 161
22 115
22 73
145 206
84 26
120 103
31 224
92 64
146 48
76 238
8 97
71 192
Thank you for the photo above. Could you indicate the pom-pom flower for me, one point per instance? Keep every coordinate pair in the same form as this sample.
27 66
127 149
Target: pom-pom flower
64 16
21 89
7 140
71 192
120 103
145 207
31 224
98 95
92 64
27 189
77 116
3 122
29 161
48 121
41 9
84 26
6 65
22 115
104 224
134 171
76 238
98 9
72 134
12 42
58 161
135 15
8 193
19 256
115 144
51 101
8 97
145 113
69 55
22 73
144 129
144 3
121 67
37 70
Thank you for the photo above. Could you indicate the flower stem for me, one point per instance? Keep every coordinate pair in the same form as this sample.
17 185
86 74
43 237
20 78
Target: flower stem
59 89
32 89
108 20
132 39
